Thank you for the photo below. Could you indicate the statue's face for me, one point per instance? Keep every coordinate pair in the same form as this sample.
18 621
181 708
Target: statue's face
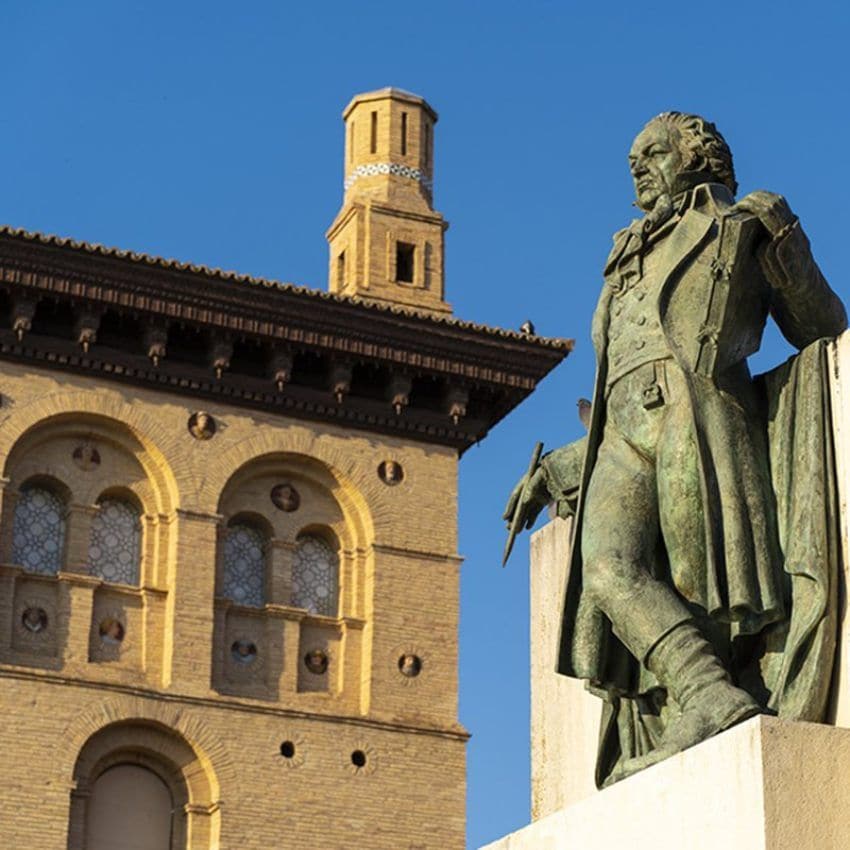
655 163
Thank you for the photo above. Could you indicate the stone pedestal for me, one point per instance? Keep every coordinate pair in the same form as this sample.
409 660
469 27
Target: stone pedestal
764 785
564 716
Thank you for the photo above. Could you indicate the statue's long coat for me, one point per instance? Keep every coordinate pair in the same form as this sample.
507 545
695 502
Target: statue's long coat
722 277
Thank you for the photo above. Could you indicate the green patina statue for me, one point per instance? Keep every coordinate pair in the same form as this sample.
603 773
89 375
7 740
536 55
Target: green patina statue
703 575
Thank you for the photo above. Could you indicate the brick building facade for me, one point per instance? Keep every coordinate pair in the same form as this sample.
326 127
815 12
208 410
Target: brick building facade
228 548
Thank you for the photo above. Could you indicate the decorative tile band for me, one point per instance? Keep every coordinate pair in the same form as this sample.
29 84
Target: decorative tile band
396 168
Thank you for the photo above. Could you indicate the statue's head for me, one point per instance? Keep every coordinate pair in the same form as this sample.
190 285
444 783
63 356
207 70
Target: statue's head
676 151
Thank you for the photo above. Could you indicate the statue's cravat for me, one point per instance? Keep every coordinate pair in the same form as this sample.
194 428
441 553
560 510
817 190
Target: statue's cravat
628 254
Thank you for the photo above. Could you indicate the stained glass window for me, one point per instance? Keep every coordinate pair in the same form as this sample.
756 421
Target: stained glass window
38 535
114 546
244 565
314 577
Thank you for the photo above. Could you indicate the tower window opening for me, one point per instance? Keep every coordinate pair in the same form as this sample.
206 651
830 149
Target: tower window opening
373 144
404 134
427 143
245 553
315 578
405 254
340 269
115 542
38 536
351 142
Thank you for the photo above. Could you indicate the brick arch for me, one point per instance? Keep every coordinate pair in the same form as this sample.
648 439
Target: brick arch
210 750
162 446
161 747
155 737
356 493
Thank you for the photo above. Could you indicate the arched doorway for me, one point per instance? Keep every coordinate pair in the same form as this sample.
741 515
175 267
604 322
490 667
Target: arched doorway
140 785
130 807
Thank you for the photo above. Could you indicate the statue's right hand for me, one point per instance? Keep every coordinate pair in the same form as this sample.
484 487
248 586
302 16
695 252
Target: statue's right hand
510 507
529 500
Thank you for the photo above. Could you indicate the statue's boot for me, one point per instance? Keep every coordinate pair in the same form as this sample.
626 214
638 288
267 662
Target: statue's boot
685 663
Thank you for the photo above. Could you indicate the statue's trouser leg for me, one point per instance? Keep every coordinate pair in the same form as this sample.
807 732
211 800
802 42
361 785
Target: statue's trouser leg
620 532
645 486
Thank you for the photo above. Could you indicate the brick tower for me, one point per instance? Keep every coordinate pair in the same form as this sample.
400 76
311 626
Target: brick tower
386 243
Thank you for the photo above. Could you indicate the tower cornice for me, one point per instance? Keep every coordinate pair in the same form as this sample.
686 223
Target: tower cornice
390 93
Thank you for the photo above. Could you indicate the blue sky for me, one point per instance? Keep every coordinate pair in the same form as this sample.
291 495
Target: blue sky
211 132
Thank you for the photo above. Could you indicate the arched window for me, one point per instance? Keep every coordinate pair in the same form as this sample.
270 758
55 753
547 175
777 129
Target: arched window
38 535
115 543
315 576
245 565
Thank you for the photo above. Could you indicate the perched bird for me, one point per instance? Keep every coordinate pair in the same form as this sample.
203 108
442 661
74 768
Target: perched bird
584 406
527 328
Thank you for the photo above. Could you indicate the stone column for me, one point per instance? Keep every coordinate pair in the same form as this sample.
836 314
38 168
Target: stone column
279 585
8 500
202 825
78 536
77 819
351 681
281 639
190 617
7 607
76 604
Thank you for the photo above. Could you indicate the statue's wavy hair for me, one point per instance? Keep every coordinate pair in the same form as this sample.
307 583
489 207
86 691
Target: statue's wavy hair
702 146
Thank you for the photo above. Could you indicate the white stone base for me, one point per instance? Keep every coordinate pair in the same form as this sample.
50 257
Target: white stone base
767 784
564 716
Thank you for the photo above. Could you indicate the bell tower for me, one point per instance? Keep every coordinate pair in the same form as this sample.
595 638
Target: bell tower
386 243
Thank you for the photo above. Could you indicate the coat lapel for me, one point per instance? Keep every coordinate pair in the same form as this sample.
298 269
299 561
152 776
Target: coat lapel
685 238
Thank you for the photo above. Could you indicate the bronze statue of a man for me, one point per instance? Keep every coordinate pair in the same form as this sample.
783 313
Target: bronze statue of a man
682 587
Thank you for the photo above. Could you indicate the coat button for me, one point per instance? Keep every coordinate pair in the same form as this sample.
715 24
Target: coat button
641 296
640 344
641 320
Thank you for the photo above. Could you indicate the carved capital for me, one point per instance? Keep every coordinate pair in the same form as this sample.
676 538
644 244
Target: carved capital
456 400
220 354
340 380
399 392
86 327
156 338
281 369
23 309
